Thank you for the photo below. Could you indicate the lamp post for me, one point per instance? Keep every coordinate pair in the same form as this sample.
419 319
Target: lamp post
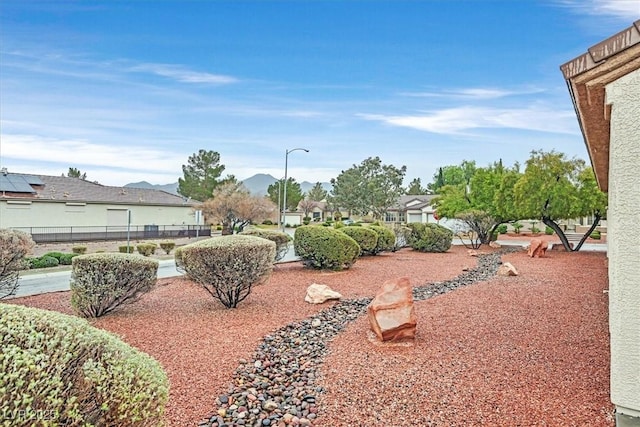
284 197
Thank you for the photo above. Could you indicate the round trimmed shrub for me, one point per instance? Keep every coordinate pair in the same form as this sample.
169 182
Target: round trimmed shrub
229 266
325 247
126 249
66 259
279 238
386 239
177 255
102 282
167 247
14 246
146 249
59 370
45 261
365 237
430 237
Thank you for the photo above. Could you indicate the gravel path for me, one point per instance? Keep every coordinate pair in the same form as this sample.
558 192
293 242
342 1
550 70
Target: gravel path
527 350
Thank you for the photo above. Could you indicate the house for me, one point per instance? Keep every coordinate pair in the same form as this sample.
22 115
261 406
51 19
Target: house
417 208
604 84
59 208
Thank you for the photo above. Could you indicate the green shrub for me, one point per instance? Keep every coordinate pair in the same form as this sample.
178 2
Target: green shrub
146 249
386 239
502 229
126 249
80 250
338 224
102 282
325 247
548 230
534 229
177 255
66 259
267 222
45 261
56 255
595 234
402 236
306 220
229 266
365 237
167 247
279 238
73 373
430 237
517 227
14 246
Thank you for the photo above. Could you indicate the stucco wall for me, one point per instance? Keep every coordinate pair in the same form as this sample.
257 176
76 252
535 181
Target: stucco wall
624 242
48 214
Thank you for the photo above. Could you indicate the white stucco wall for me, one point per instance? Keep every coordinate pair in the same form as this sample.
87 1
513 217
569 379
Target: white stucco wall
624 242
49 214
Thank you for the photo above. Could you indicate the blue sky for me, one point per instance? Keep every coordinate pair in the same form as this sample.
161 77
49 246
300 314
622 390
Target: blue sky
128 90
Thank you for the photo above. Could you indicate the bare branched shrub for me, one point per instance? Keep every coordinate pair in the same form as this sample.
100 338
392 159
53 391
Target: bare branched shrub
14 245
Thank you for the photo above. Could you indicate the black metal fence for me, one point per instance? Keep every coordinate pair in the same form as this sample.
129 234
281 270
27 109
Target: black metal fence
88 234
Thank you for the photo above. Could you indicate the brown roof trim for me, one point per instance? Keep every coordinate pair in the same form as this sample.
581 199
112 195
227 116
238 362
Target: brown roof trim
587 77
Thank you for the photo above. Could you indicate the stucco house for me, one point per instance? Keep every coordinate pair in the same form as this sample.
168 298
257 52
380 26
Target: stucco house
59 208
604 84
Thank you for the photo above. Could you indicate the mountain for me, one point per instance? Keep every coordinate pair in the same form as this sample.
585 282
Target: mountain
256 184
169 188
259 183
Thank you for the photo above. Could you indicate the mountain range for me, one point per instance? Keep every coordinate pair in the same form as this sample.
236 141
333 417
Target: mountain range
256 184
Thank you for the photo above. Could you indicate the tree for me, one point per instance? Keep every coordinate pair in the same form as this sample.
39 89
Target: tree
554 188
307 205
202 175
294 193
452 175
317 193
370 187
415 187
75 173
481 201
234 207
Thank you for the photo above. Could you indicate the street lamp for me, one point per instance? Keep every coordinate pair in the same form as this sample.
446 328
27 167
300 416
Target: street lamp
284 197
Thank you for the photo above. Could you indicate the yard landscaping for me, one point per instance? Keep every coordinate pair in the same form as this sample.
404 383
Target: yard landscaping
525 350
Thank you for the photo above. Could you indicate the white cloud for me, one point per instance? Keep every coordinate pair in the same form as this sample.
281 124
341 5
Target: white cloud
461 119
182 74
624 9
67 152
474 93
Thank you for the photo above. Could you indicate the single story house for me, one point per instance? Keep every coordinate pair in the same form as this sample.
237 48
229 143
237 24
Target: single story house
604 84
59 208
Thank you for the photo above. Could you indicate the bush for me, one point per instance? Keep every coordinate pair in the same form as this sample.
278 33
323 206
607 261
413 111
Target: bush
306 220
229 266
267 222
102 282
279 238
126 249
430 237
177 255
365 237
517 227
61 366
167 247
80 250
56 255
45 261
338 224
386 239
548 230
14 246
66 259
595 234
402 236
146 249
325 247
502 229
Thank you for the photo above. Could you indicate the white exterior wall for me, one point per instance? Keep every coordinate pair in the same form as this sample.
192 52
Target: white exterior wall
50 214
624 243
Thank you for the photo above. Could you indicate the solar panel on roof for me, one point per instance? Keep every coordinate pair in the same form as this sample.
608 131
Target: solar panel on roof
15 184
32 180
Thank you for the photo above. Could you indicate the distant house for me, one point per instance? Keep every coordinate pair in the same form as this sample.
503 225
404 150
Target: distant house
604 84
51 208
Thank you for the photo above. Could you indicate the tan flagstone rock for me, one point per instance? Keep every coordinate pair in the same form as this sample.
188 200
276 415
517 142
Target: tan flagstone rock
317 294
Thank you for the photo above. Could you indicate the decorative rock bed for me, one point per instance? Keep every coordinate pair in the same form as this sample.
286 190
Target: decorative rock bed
277 387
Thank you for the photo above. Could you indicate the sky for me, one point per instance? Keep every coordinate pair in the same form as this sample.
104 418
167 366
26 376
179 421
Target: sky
127 90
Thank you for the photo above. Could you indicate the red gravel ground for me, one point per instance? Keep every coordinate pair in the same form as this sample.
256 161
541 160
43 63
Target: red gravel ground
526 350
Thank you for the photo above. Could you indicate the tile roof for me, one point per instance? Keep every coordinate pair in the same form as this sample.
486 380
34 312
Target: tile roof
65 189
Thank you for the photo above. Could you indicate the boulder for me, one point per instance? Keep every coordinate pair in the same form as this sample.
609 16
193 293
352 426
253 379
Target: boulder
494 245
471 252
507 269
317 294
391 314
537 248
